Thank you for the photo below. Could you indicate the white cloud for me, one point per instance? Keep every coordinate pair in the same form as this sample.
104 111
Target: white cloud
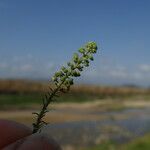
144 67
118 71
26 67
113 73
138 75
110 73
118 74
29 56
106 73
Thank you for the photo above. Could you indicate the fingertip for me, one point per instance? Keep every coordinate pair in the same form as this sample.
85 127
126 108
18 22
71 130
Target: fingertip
11 131
35 141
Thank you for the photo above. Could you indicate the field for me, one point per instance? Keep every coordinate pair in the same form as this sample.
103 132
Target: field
22 93
90 113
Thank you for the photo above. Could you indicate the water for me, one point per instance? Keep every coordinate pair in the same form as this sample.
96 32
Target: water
120 126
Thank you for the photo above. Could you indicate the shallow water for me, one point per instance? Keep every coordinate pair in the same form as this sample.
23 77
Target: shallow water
130 124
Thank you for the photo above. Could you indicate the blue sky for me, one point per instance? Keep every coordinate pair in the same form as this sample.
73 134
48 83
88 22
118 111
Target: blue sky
37 37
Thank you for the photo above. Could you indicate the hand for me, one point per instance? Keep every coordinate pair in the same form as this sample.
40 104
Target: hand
16 136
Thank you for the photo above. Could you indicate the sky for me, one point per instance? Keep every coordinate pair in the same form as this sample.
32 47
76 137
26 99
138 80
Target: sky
38 37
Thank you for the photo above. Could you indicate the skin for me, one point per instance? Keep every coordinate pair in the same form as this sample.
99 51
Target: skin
16 136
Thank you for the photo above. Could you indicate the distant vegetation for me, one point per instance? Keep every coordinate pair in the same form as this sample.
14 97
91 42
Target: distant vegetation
25 92
29 86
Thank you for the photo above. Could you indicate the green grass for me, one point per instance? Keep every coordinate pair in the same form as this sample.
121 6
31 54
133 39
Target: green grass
28 99
77 97
18 100
142 143
104 146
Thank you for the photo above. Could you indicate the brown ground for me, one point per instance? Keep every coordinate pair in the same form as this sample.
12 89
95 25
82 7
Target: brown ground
75 111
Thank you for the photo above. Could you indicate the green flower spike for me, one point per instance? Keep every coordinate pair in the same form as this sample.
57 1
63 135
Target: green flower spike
63 79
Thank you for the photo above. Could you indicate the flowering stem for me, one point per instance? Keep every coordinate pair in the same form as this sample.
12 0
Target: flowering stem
63 79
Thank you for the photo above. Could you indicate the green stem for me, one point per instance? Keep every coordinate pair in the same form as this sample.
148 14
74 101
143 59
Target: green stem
37 125
63 81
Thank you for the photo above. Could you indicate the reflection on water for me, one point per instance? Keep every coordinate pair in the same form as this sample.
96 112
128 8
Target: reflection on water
89 133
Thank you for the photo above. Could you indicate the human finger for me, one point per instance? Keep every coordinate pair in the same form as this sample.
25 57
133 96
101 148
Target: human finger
11 131
35 141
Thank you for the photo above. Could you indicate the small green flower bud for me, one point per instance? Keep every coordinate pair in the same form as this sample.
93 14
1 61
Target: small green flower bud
72 67
71 81
86 63
63 78
82 50
94 50
75 56
54 79
69 63
64 69
85 58
91 57
57 74
61 74
80 60
75 73
90 46
94 45
66 83
58 84
78 74
75 61
80 68
69 72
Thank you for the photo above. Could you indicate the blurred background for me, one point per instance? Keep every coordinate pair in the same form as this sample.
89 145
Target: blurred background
108 107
